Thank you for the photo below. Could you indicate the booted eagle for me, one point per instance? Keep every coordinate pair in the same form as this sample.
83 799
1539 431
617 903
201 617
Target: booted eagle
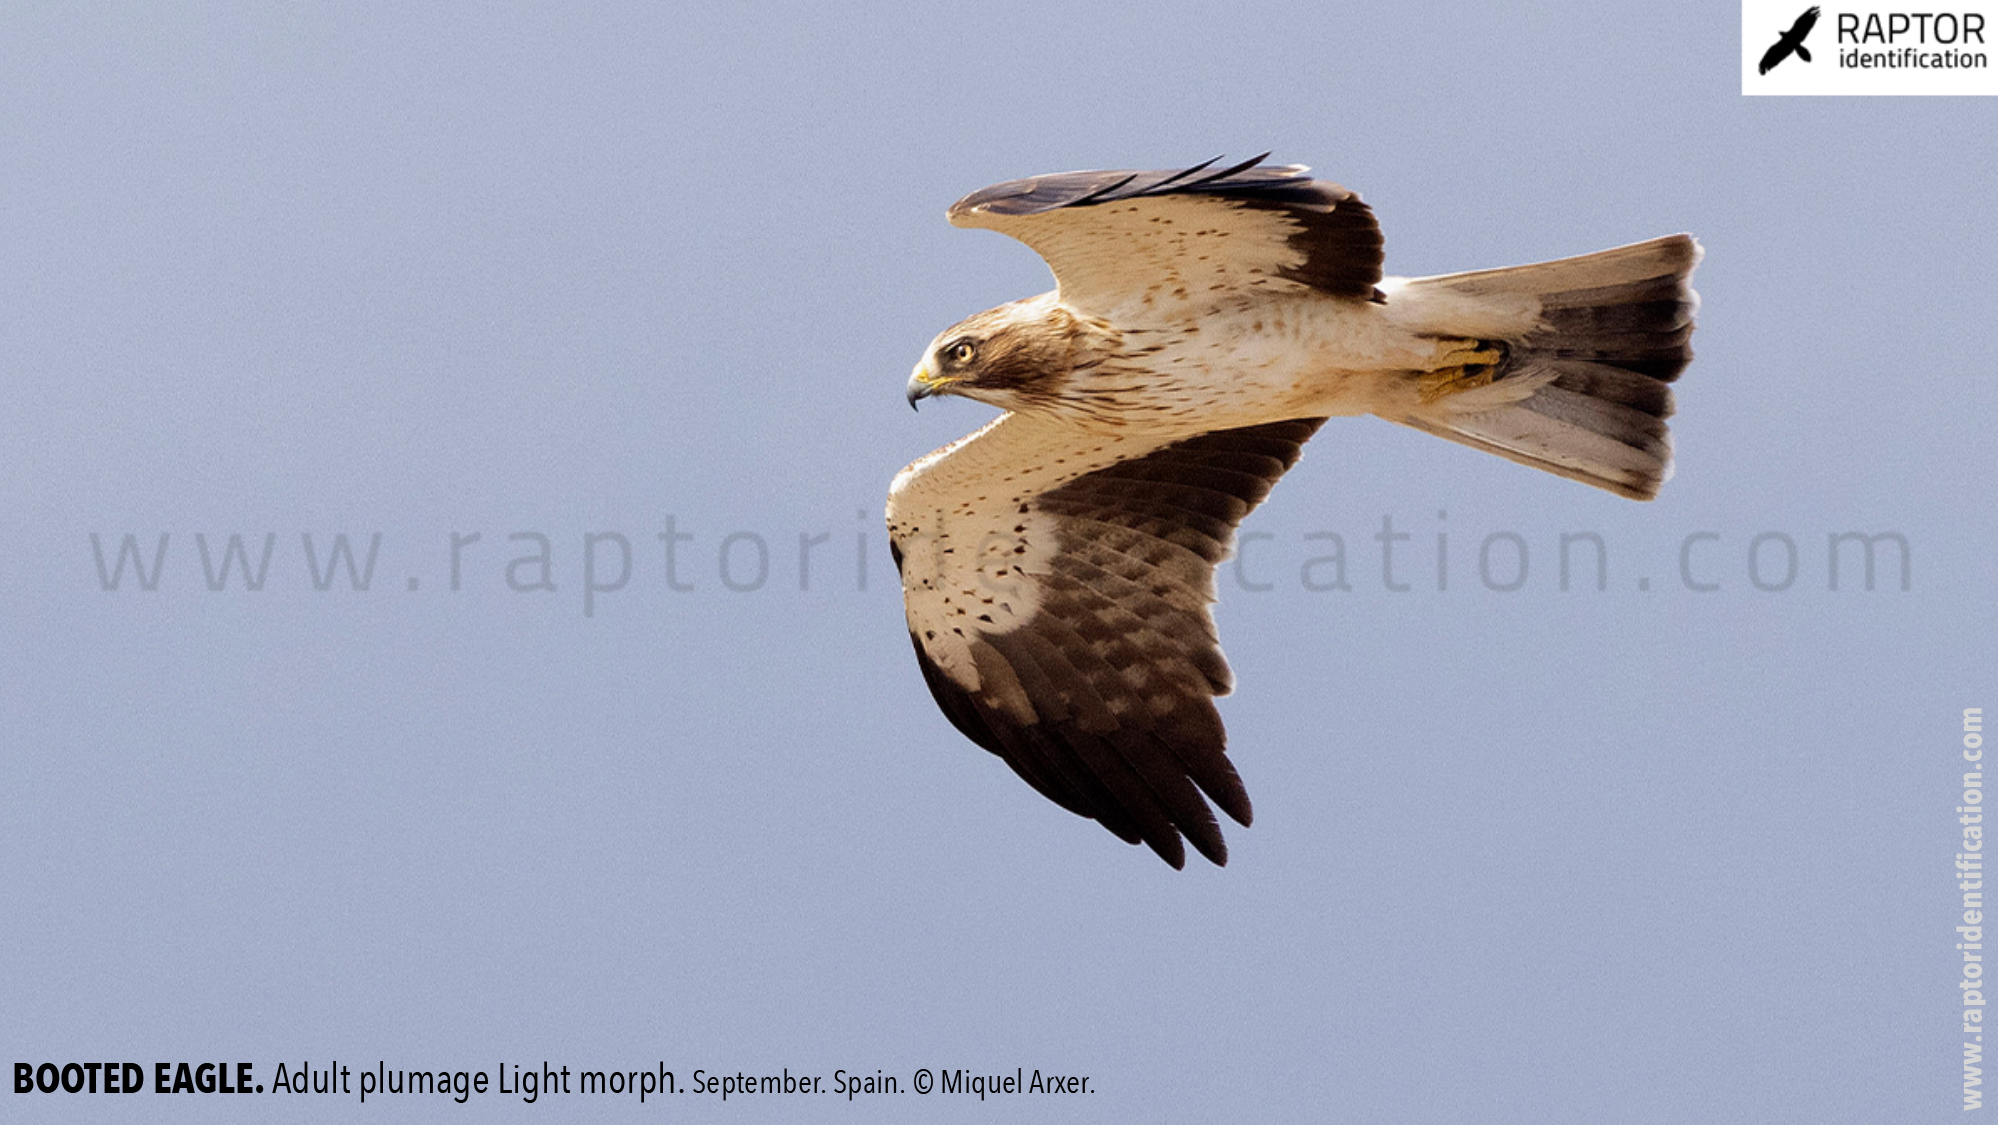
1058 565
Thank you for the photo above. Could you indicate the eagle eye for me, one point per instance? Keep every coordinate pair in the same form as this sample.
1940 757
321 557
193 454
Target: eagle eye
961 352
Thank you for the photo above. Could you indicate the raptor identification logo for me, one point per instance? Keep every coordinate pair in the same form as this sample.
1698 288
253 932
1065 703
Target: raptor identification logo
1790 48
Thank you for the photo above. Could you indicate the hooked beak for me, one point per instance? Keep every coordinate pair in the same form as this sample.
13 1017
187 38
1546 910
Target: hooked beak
923 384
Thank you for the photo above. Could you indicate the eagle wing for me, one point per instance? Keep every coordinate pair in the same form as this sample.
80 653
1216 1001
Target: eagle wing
1136 246
1066 627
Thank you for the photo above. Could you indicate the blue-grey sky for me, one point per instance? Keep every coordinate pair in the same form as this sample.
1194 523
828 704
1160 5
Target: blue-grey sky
575 275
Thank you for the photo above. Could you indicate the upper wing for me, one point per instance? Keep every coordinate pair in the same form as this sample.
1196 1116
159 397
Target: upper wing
1144 242
1803 26
1068 630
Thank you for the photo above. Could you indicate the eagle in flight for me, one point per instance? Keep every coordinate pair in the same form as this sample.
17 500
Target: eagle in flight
1789 41
1058 565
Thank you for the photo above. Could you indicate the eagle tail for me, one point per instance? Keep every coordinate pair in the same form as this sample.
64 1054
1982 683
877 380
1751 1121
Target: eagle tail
1584 392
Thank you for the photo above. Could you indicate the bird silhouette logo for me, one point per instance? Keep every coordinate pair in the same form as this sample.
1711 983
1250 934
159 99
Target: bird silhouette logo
1791 42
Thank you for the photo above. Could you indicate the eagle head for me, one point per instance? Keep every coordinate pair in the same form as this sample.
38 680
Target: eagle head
1019 356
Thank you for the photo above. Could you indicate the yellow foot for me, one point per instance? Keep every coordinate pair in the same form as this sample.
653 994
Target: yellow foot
1461 365
1468 353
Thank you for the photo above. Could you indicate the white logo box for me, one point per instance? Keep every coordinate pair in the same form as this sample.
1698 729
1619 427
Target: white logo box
1940 48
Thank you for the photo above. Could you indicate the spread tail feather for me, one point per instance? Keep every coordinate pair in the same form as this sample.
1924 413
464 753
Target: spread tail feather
1584 392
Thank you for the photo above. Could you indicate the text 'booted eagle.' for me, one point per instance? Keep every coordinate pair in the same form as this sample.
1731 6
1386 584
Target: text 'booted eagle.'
1058 565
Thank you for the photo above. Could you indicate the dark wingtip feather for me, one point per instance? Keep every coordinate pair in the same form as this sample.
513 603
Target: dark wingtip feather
1103 192
1285 183
1178 176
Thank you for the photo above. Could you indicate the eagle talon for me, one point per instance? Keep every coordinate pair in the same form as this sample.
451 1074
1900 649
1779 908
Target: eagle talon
1468 354
1462 365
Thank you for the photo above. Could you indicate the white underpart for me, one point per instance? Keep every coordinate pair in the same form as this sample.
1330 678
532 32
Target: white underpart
1242 362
